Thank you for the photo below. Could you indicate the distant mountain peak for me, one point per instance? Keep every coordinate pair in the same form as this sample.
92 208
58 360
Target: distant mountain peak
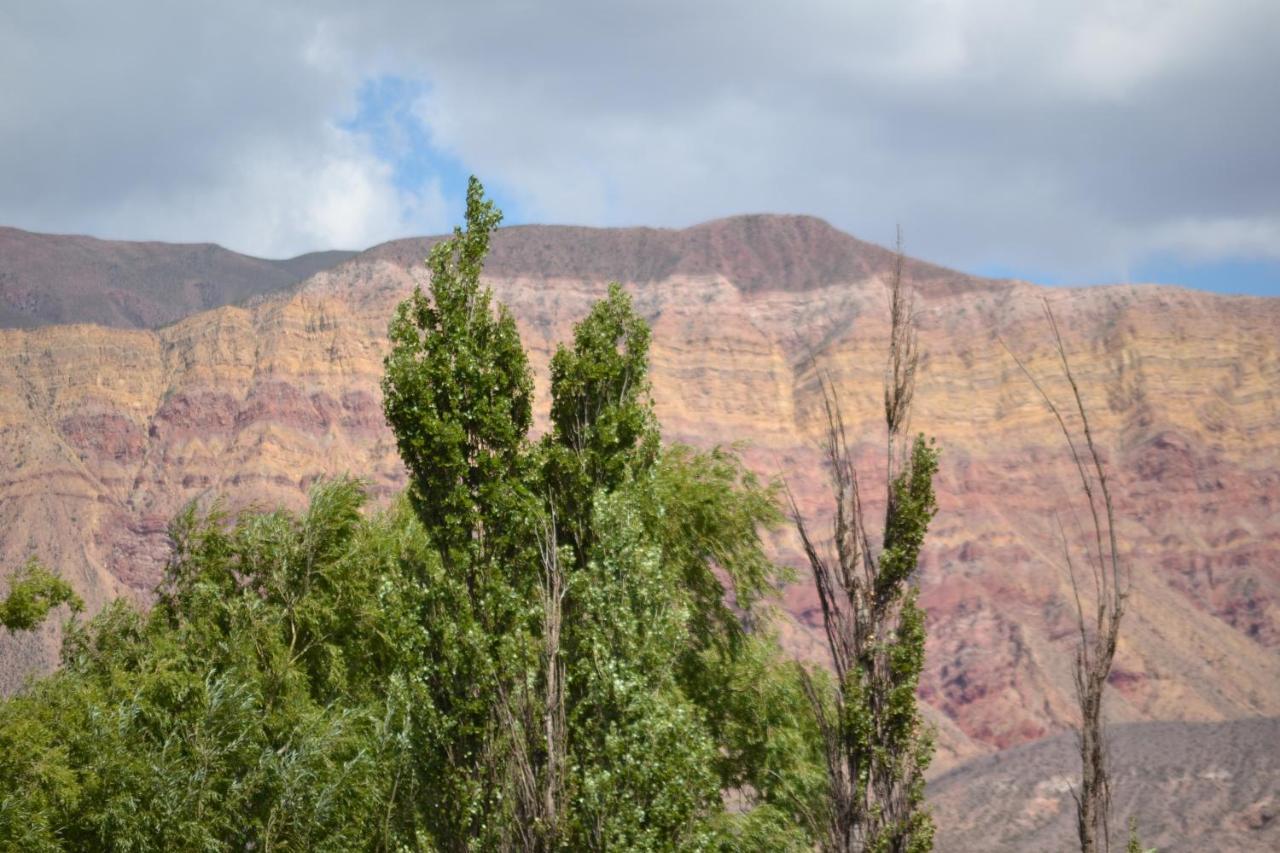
756 252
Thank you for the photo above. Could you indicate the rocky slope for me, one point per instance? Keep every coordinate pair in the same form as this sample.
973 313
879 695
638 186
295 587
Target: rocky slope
1192 787
104 433
49 278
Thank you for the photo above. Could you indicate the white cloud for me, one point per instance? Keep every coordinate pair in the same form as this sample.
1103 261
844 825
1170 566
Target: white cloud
276 201
1215 239
220 126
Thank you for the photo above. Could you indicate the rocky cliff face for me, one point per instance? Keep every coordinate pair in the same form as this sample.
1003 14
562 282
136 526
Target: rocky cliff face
105 433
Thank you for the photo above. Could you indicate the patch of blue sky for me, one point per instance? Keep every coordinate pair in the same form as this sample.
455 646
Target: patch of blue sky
386 116
1245 277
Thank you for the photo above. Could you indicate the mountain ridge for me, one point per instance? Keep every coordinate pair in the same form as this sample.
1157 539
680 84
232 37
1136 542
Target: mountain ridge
754 251
70 278
105 433
64 279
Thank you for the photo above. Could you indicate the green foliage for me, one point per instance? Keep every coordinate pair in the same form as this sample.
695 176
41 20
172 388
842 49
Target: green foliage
877 747
602 424
232 714
884 713
644 763
33 592
671 702
769 749
341 679
458 394
911 508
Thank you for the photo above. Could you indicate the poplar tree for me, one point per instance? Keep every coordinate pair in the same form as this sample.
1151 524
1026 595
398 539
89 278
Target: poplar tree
877 746
457 393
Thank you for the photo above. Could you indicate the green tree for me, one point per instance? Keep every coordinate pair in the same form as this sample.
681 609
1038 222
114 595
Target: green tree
248 708
877 747
602 424
458 395
539 646
34 591
671 702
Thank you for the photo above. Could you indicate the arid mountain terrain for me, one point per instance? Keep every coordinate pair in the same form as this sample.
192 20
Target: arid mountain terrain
1191 786
106 432
48 278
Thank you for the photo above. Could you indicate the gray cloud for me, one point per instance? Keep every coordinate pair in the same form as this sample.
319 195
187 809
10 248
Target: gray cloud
135 120
1068 138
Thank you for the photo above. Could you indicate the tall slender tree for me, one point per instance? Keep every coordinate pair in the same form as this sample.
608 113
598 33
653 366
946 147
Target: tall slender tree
457 393
1098 631
876 745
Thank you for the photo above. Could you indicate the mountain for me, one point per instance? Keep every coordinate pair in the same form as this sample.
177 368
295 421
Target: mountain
756 253
1193 788
105 433
48 278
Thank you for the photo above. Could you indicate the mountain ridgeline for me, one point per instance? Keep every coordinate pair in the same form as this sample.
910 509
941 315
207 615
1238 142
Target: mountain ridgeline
47 279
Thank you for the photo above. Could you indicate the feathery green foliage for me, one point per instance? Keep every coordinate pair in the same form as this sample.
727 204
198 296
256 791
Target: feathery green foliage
232 713
33 592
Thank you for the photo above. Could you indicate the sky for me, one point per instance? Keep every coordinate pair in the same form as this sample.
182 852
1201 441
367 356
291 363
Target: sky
1060 141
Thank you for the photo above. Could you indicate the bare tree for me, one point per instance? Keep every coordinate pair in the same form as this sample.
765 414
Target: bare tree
876 745
1098 630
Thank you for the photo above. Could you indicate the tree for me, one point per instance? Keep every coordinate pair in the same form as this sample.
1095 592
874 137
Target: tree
531 649
1099 633
667 706
457 393
876 745
602 424
248 709
34 591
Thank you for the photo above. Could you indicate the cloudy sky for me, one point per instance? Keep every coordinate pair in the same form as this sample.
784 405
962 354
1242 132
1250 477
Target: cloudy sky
1063 141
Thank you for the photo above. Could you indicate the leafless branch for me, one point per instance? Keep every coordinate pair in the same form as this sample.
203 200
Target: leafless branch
1112 580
